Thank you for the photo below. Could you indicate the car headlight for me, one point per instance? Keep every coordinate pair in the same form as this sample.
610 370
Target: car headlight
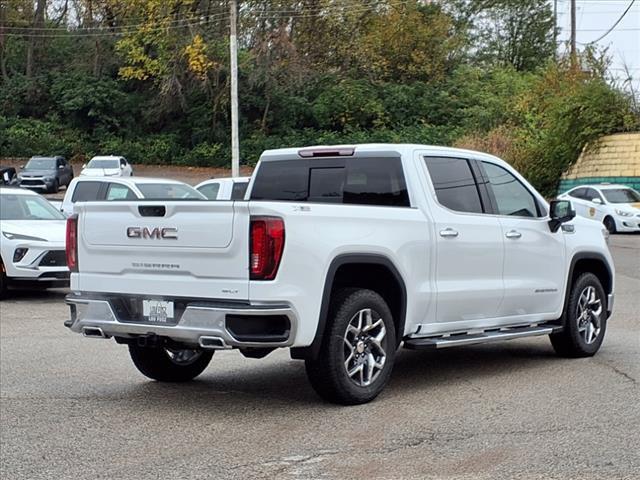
622 213
17 236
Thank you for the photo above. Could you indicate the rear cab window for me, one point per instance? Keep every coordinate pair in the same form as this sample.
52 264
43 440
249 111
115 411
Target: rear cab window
455 184
374 181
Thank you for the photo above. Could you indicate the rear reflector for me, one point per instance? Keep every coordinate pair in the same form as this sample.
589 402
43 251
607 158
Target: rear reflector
327 152
71 244
267 244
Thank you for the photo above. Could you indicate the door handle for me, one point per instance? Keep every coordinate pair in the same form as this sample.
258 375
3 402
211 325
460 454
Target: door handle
448 232
513 234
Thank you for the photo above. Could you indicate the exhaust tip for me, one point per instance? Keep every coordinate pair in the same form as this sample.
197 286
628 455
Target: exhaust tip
215 343
93 332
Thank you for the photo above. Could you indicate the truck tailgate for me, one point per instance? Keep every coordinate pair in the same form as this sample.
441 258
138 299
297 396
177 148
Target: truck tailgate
173 248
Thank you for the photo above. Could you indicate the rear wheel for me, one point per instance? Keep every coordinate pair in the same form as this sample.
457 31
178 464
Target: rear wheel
585 319
169 365
610 224
358 349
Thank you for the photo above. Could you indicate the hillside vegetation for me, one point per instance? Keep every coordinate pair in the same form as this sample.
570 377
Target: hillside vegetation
149 79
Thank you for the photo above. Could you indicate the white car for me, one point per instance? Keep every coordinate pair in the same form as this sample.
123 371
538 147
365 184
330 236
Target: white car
95 189
616 206
107 166
32 241
231 188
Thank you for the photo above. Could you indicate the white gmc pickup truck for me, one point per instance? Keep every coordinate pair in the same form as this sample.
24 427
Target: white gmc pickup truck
341 254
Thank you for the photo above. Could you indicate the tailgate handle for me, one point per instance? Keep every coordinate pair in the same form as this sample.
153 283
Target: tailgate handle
152 210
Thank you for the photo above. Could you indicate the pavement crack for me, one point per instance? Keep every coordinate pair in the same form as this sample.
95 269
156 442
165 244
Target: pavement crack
618 371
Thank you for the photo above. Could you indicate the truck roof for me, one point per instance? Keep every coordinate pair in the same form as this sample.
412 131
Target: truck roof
364 148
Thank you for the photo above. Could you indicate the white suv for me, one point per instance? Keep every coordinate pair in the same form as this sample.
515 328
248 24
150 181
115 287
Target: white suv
341 254
107 166
616 206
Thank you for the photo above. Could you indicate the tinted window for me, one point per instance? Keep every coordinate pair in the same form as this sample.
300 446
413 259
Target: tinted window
86 192
120 192
454 184
238 190
123 162
103 163
356 181
210 190
578 193
591 194
512 198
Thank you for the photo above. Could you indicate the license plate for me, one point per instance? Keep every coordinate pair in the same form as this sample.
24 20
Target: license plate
157 311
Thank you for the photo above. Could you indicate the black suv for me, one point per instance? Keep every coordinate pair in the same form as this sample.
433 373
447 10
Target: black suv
46 173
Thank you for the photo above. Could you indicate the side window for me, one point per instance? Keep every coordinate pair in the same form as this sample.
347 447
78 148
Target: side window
210 190
115 191
512 197
86 192
591 194
238 190
375 181
123 162
454 183
580 193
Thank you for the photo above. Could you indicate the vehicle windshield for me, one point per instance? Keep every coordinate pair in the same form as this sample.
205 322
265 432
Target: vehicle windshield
27 207
41 164
621 195
103 163
169 191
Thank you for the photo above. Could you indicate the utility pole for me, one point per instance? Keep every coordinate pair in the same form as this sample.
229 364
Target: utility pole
555 29
573 35
233 47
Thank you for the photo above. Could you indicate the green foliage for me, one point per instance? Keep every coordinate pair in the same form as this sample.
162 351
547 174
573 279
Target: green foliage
475 73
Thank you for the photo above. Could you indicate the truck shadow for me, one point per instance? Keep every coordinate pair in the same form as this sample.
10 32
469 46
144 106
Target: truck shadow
269 386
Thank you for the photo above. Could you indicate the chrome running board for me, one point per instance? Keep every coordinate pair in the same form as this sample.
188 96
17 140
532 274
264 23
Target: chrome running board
494 335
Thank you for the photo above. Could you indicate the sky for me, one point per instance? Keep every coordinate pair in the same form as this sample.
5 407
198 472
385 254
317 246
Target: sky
594 18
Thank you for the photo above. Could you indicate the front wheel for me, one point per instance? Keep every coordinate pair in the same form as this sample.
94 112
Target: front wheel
358 349
585 319
610 224
55 187
168 364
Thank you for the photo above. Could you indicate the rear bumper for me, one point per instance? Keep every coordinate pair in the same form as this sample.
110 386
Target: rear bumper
203 323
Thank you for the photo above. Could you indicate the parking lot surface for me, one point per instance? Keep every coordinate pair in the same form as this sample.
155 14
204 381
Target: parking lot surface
76 408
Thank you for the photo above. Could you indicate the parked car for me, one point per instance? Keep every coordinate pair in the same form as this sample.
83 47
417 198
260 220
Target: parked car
46 173
107 166
32 239
616 206
95 189
342 254
8 176
231 188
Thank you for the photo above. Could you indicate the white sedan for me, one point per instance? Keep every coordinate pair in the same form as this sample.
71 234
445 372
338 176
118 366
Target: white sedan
616 206
228 188
107 166
32 239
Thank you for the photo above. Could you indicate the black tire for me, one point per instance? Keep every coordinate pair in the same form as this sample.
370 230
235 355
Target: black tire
610 224
157 364
328 373
3 281
571 341
55 187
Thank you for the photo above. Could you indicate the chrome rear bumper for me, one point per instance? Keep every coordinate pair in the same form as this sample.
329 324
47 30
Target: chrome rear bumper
202 325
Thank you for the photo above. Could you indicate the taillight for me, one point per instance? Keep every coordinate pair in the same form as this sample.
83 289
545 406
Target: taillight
267 243
71 244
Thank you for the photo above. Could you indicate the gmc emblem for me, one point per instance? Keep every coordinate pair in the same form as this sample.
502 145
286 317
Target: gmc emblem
158 233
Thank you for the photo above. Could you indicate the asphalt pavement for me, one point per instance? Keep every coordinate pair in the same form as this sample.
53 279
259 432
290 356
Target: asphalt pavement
76 408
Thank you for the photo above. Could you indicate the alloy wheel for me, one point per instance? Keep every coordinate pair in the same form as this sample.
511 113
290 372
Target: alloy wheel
364 347
588 313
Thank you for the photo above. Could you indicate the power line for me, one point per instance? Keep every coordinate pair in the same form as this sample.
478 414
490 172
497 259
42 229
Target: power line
612 26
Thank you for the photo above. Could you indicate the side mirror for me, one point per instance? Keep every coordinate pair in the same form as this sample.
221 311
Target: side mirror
21 167
560 212
60 167
84 165
597 201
